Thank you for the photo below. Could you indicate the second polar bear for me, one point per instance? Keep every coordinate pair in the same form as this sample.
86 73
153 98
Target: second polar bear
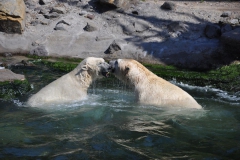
149 88
72 86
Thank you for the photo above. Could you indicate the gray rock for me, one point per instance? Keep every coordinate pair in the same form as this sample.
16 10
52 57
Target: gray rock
30 4
224 20
34 22
226 14
226 28
7 54
64 22
51 15
43 11
128 29
90 16
60 26
135 12
89 28
82 13
44 2
168 6
59 10
12 16
39 51
8 75
177 27
140 26
212 31
234 21
231 42
114 47
116 3
44 21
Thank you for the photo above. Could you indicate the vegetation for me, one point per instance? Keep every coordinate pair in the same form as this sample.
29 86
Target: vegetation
12 89
225 78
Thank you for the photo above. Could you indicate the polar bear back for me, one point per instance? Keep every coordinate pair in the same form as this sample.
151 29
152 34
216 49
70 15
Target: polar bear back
157 91
63 89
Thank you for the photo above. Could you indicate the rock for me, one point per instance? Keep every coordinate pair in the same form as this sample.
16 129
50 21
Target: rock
90 16
88 8
231 42
140 26
44 21
116 3
82 13
71 2
34 22
135 12
43 2
51 15
30 4
59 10
39 51
43 11
8 75
224 20
226 28
168 6
89 28
177 27
226 14
7 54
212 31
60 26
233 21
64 22
114 47
12 16
128 29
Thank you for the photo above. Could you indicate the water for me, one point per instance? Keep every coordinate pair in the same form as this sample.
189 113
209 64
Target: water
110 125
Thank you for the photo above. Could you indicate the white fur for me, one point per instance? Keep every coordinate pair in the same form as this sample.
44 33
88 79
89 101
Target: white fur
70 87
151 89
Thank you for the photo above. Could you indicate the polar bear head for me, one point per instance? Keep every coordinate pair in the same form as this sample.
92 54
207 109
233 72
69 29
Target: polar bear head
93 67
128 70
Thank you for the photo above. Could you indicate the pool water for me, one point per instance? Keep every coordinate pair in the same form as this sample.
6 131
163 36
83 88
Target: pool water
110 125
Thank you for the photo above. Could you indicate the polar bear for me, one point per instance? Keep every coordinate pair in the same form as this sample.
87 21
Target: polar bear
72 86
149 88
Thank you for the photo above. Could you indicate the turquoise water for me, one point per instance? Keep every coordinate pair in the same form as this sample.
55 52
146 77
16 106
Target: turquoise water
110 125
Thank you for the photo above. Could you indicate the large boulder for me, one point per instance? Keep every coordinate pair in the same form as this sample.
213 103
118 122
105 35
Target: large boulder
12 16
212 31
231 42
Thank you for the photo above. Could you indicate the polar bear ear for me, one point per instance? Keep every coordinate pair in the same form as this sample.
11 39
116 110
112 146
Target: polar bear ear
84 67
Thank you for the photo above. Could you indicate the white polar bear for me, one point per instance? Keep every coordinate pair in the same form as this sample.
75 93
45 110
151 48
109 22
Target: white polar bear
149 88
72 86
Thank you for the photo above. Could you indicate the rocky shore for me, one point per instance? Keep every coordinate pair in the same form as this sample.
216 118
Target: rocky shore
188 34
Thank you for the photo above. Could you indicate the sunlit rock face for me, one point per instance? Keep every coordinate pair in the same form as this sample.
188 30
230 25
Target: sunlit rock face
12 16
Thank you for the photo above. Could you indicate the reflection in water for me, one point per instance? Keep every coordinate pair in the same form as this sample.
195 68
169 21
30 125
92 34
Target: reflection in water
110 125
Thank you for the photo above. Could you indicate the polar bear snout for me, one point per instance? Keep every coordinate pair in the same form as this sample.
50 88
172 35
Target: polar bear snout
105 69
113 65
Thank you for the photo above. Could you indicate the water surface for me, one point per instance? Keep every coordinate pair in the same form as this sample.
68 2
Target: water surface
110 125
